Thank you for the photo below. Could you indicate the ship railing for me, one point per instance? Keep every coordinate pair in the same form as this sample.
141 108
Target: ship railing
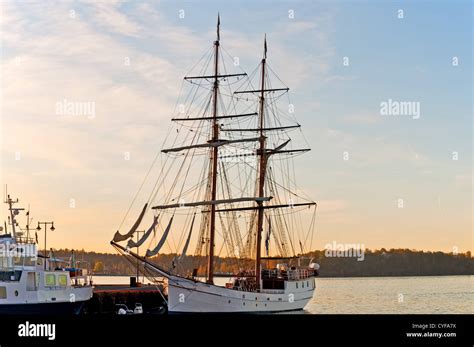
299 274
25 240
80 281
288 275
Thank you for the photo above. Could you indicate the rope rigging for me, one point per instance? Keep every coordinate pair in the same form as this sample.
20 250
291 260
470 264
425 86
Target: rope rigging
185 176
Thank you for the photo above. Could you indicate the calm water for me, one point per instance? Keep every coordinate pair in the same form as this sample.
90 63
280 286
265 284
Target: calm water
444 294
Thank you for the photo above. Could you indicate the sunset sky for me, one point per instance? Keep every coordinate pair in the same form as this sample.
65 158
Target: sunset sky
129 60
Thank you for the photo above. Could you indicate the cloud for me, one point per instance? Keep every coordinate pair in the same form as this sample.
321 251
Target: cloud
108 16
362 118
464 180
127 59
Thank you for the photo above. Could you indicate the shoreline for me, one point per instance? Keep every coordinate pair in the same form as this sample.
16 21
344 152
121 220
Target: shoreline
337 277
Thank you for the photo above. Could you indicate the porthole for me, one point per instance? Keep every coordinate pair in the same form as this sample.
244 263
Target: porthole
229 301
16 292
244 303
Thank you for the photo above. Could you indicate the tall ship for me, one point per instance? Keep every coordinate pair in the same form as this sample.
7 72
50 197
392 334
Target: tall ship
226 179
35 283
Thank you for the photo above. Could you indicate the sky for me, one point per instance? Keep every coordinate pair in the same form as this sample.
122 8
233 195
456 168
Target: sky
341 59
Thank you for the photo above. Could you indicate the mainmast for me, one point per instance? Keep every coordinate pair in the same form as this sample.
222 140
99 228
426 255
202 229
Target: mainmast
261 168
214 151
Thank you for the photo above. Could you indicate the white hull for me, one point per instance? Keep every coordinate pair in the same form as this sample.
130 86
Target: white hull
187 296
17 295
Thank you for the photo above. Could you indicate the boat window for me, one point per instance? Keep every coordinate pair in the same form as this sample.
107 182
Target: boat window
10 276
3 292
4 263
62 280
50 280
296 284
29 261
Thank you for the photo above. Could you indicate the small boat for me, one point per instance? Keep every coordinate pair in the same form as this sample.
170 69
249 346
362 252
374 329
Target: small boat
29 282
122 309
227 165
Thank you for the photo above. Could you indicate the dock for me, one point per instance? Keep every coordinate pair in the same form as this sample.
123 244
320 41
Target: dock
106 297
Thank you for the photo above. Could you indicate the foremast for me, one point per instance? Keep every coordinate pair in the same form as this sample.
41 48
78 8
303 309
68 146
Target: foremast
214 155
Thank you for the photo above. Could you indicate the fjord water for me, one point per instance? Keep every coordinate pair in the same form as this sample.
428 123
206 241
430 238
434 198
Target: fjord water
391 295
370 295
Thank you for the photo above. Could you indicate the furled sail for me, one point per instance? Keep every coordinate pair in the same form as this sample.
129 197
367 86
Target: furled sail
267 238
185 248
162 241
119 237
132 244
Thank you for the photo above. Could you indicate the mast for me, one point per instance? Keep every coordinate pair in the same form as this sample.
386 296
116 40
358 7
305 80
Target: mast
10 203
13 212
214 151
261 169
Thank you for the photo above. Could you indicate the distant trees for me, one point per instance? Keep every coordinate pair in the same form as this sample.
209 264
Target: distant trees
98 267
396 262
383 262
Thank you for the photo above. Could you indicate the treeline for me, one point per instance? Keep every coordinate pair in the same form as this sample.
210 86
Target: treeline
396 262
383 262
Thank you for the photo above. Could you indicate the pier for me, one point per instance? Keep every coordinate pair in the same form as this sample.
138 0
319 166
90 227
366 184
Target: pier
106 297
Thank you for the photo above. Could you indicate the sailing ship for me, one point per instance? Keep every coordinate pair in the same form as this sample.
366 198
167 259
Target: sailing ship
31 283
227 165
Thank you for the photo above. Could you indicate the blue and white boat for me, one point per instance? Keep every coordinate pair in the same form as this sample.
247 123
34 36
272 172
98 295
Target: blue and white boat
30 283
